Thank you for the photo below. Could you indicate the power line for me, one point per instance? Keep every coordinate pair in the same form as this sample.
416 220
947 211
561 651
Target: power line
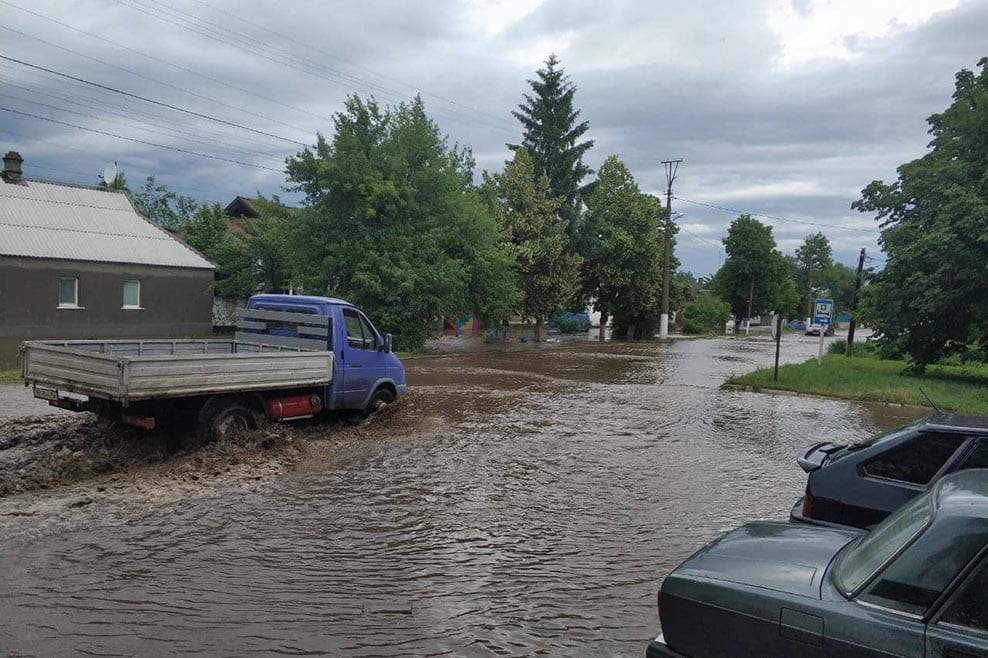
220 34
700 237
140 141
131 125
326 53
173 65
781 219
152 101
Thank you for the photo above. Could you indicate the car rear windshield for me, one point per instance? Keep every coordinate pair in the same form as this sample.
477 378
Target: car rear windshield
869 552
872 441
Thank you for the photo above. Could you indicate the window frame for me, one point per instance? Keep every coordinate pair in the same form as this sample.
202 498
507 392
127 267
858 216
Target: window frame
346 328
75 290
376 339
131 307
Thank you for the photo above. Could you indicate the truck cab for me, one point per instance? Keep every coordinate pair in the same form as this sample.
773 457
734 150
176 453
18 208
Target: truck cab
366 372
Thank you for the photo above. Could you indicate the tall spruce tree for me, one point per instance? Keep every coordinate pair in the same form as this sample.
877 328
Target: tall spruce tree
552 134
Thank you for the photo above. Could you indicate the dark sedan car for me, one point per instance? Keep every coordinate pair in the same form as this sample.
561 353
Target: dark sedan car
860 484
913 587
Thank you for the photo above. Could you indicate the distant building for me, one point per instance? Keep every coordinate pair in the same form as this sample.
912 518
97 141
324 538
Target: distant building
81 262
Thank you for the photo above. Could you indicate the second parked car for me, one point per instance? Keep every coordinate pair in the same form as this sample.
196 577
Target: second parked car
860 484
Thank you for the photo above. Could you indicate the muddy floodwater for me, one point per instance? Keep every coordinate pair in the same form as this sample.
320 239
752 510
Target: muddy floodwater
521 503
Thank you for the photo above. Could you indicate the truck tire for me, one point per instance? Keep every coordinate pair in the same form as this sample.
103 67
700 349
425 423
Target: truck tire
223 418
381 398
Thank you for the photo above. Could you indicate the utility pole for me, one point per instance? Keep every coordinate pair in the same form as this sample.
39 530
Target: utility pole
672 167
849 351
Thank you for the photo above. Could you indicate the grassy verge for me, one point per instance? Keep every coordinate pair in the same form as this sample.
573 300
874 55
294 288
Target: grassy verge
10 377
954 388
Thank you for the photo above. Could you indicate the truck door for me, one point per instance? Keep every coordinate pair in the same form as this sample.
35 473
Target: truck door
360 359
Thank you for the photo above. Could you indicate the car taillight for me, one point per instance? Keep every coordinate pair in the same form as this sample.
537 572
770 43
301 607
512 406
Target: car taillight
808 506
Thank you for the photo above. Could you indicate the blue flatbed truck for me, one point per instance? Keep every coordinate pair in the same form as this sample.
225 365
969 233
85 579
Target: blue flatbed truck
293 357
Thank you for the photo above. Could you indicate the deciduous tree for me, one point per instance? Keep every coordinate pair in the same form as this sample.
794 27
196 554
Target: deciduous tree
754 277
929 301
391 221
527 212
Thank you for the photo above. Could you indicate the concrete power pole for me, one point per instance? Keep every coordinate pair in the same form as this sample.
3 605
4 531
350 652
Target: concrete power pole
672 167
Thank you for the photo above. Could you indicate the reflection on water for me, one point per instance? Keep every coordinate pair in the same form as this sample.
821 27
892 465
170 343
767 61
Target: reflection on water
528 503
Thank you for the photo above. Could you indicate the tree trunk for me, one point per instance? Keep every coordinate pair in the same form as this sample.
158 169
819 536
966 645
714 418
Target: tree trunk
538 329
603 325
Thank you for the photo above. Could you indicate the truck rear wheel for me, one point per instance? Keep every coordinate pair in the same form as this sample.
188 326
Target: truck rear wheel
224 418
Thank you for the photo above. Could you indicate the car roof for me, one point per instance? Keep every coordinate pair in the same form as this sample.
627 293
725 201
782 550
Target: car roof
963 494
298 299
944 422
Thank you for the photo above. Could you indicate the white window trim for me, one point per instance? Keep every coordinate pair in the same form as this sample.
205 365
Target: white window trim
75 305
138 307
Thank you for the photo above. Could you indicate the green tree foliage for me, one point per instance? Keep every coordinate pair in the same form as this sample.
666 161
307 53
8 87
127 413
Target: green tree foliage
838 283
527 212
754 268
552 134
705 315
163 206
929 301
812 258
208 232
622 247
392 222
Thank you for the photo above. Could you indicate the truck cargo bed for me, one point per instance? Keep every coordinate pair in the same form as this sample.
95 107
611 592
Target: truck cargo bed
131 370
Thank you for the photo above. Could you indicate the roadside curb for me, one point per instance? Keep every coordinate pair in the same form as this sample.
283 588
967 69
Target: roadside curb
746 388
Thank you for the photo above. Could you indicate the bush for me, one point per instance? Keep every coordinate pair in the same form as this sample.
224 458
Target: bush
837 346
705 315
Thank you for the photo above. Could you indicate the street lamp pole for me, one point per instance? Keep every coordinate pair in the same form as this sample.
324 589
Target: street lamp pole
672 167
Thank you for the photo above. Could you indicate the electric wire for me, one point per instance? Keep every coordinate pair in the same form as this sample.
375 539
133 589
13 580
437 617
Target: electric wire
781 219
130 125
140 141
152 101
173 65
326 53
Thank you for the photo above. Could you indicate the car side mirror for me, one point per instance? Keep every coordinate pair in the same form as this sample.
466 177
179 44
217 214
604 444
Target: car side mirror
388 342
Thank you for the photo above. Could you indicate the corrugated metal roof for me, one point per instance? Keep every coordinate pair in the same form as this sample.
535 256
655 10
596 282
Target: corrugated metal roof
40 219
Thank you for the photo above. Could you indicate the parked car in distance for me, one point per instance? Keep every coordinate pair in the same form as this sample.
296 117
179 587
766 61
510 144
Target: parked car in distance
862 483
815 329
913 587
798 325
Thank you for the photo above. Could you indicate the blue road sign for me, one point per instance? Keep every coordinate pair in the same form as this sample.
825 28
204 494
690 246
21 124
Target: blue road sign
823 310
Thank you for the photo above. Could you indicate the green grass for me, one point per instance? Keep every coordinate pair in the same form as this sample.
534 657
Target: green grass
10 377
954 388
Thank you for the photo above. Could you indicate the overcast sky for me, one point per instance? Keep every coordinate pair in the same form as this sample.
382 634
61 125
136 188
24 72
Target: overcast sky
780 108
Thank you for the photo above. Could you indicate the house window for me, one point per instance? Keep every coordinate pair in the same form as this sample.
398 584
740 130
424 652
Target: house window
132 294
68 292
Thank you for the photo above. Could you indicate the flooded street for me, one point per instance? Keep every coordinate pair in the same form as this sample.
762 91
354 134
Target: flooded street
521 503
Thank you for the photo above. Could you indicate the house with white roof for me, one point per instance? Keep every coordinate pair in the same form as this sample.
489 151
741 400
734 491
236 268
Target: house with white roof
81 262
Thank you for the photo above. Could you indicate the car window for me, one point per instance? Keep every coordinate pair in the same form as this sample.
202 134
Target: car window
919 575
969 608
978 457
370 337
355 336
917 461
867 553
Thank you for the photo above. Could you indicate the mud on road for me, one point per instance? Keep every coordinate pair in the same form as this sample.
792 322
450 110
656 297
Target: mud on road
54 467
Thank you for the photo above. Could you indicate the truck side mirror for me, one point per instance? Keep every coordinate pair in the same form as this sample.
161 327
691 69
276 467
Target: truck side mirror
388 342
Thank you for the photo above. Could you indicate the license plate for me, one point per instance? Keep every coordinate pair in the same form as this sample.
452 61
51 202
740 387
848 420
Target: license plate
45 393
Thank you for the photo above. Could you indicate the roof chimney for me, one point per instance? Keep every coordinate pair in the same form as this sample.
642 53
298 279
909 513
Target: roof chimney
12 167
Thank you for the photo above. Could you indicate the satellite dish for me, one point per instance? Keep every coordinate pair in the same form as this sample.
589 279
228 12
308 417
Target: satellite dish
109 173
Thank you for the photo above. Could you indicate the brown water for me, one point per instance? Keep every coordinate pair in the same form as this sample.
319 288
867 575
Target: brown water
527 503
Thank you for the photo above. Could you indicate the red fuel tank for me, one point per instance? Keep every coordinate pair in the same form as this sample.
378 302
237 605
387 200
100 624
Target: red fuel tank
295 406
